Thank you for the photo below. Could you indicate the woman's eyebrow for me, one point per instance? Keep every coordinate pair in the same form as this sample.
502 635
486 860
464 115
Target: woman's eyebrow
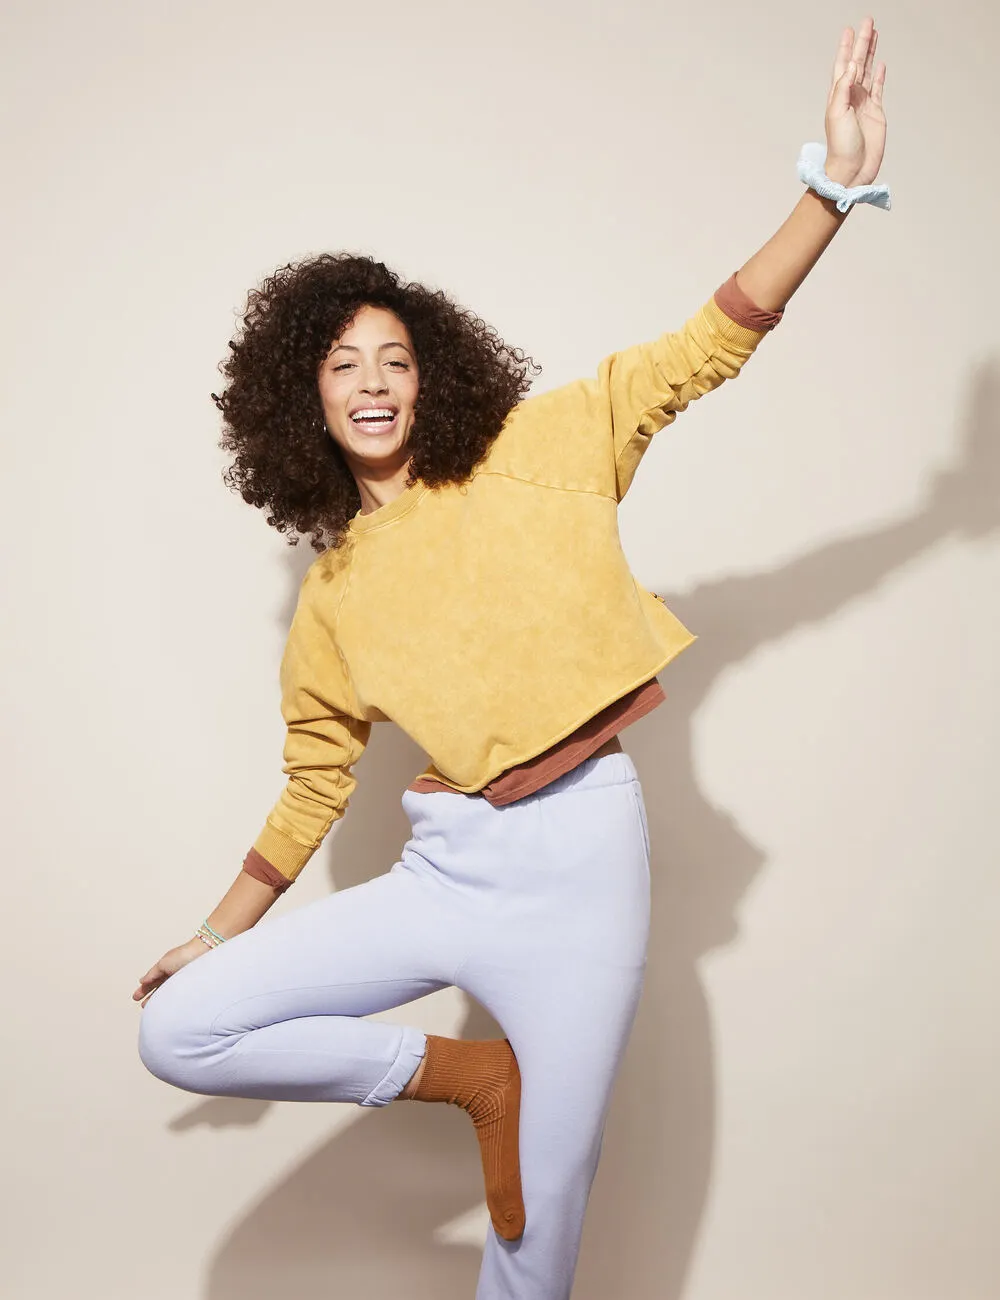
351 348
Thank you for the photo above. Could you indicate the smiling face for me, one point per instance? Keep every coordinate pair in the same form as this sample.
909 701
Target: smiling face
368 385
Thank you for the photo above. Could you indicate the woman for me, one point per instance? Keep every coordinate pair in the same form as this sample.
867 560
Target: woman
470 585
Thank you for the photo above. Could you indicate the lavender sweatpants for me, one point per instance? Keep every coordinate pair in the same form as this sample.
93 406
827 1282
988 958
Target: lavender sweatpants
539 910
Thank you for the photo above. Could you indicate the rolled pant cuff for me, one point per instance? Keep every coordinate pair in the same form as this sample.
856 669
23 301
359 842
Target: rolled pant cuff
412 1045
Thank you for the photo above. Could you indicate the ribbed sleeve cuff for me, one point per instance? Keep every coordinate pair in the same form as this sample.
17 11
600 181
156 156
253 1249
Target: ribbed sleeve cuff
738 338
280 851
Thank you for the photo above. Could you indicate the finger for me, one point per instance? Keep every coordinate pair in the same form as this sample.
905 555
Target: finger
147 991
866 79
843 55
878 84
862 42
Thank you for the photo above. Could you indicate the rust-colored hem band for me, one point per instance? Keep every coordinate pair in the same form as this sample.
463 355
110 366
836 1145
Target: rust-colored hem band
258 867
741 308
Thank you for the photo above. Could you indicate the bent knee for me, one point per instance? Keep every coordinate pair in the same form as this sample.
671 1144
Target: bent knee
171 1043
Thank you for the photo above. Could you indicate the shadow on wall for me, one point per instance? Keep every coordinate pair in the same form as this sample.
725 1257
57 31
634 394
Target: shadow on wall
359 1216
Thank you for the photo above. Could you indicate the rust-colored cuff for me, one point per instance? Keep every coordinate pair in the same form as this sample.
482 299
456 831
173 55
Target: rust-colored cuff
742 309
258 867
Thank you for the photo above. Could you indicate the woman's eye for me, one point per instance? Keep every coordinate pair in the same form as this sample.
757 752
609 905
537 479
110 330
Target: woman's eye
346 365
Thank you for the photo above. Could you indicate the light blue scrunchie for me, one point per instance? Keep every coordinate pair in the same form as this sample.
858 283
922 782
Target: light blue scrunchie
812 160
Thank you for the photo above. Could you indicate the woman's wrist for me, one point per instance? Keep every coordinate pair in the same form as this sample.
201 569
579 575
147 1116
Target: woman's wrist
841 175
209 936
242 906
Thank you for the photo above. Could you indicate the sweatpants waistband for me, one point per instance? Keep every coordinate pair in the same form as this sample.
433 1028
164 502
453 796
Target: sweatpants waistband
598 770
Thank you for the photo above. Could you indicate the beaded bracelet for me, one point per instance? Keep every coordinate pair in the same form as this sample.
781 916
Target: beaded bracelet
209 936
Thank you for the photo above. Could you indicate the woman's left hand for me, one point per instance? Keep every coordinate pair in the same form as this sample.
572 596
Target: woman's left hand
855 122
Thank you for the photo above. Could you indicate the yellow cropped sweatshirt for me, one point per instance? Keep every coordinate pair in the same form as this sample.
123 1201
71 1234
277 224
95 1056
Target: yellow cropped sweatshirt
491 619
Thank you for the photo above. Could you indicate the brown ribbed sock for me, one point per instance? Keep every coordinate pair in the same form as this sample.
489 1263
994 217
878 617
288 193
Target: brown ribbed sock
482 1077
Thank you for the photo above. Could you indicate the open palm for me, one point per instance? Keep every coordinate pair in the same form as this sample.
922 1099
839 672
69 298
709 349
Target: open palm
855 122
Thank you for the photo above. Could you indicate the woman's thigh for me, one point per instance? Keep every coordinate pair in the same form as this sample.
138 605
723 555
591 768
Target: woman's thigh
350 953
274 1011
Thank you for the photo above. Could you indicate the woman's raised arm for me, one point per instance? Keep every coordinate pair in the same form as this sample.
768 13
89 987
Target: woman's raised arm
855 145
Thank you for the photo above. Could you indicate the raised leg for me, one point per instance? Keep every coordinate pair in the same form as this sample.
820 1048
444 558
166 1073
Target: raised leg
275 1012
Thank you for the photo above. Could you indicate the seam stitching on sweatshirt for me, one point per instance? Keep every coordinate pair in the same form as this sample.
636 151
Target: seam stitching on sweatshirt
388 523
554 487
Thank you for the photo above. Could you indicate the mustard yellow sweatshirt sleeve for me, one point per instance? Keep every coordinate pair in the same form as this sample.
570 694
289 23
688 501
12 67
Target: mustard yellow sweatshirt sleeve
323 740
643 388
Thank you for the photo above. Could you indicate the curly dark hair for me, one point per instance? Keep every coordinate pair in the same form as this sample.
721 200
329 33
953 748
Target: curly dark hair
284 459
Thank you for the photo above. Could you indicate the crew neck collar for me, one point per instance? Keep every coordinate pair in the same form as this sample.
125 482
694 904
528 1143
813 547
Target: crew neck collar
406 500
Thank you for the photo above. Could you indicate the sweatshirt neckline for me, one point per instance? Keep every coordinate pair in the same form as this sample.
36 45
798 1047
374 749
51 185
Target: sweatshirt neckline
407 499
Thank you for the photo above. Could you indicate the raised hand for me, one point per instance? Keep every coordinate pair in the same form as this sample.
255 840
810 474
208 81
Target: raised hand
855 122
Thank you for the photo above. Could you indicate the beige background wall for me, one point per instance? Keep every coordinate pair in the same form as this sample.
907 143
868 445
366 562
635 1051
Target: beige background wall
809 1103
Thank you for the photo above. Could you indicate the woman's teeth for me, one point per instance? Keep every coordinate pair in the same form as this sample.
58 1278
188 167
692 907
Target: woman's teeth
376 418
